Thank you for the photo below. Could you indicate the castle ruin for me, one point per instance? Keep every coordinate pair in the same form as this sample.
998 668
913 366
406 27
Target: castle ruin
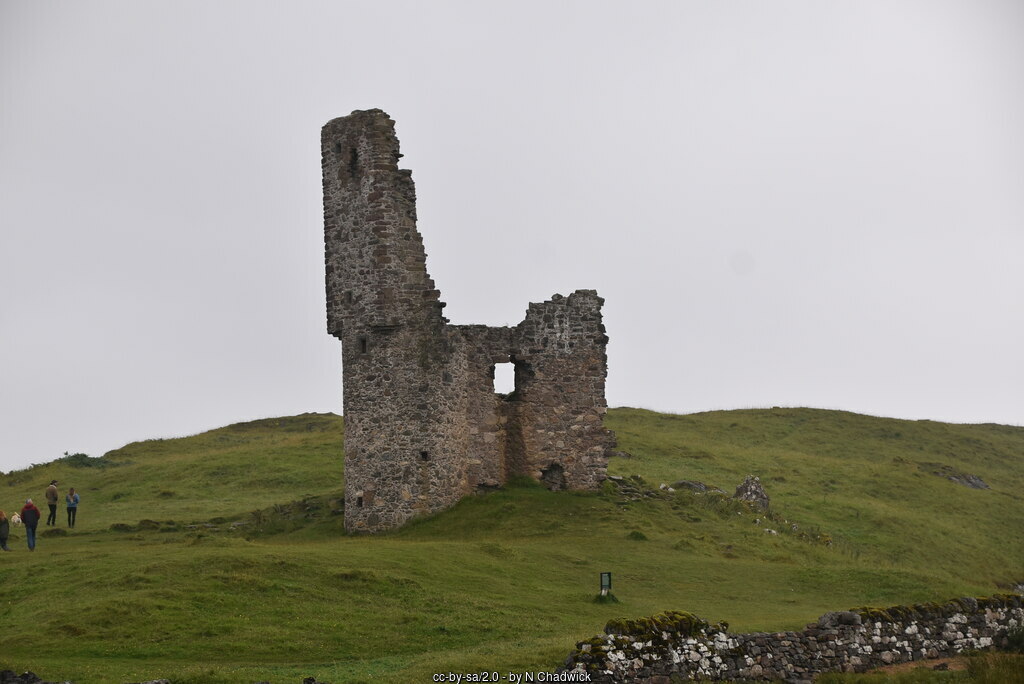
423 424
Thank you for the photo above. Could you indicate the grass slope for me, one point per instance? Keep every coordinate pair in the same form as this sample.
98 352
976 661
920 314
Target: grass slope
503 581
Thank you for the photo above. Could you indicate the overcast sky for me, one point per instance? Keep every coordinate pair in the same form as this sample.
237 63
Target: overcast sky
783 203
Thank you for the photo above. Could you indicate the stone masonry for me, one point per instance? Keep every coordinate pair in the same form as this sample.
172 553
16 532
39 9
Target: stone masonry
423 424
677 646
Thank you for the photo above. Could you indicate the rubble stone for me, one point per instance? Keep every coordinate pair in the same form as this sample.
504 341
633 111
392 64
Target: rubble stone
752 491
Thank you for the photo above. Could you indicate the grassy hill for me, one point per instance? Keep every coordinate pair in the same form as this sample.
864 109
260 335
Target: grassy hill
222 557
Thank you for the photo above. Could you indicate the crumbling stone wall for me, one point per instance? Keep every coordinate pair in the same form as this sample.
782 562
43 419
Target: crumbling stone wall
556 417
423 425
680 646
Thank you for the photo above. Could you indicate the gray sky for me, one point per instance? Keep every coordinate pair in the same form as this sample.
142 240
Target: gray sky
783 203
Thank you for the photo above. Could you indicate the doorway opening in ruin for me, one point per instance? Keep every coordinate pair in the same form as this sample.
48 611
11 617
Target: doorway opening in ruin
504 378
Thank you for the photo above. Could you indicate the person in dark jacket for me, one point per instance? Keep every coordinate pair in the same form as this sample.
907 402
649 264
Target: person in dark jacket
30 516
5 531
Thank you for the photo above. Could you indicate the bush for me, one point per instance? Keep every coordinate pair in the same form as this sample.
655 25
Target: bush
83 461
1015 640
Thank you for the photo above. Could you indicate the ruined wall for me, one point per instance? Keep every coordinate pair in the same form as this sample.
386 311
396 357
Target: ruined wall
556 416
679 646
423 425
382 304
487 421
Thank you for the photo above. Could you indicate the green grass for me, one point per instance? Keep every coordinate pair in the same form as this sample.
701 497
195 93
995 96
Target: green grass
503 581
857 478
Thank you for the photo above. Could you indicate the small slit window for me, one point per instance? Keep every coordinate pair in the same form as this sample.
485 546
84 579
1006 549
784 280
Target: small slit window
424 455
348 296
364 346
353 161
359 502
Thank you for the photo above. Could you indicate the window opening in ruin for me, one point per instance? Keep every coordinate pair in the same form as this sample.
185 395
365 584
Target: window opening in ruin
504 376
424 455
348 296
359 502
363 345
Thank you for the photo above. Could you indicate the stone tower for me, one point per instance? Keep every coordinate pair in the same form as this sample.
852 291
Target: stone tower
423 424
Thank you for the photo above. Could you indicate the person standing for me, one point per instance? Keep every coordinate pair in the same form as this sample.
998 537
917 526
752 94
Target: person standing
51 501
5 531
30 516
71 499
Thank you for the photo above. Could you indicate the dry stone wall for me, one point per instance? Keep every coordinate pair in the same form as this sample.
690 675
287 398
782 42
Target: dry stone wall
423 425
679 646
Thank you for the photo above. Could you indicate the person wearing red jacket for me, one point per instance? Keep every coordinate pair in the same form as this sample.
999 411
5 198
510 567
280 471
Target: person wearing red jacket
30 516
